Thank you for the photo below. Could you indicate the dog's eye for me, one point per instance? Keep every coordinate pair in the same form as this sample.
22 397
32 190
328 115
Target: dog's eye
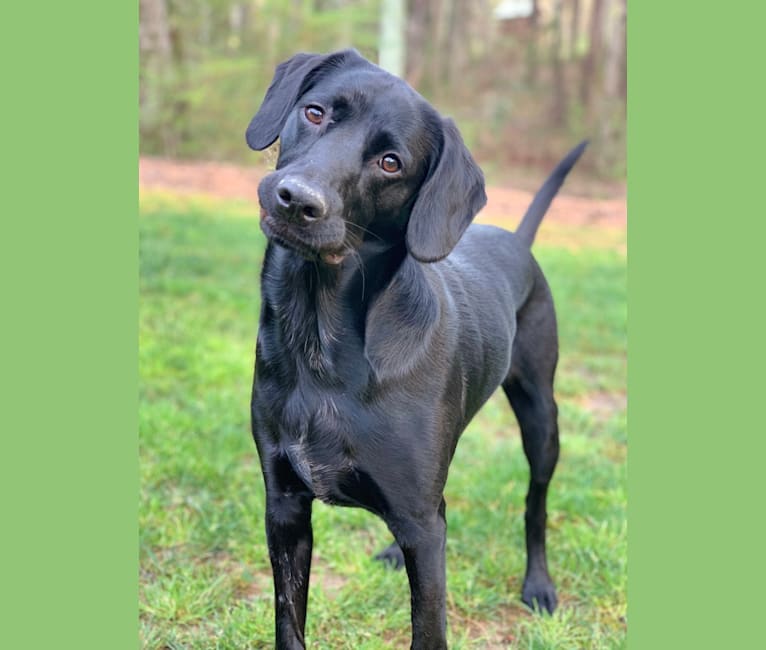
314 113
390 164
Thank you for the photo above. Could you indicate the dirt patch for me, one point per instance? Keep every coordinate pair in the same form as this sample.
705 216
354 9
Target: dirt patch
505 205
332 582
254 585
603 405
493 634
219 180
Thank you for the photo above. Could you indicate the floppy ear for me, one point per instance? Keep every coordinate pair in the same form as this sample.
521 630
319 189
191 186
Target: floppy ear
449 199
285 88
401 323
291 79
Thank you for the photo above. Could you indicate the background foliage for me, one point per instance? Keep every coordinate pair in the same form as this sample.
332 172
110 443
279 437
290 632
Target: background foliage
522 90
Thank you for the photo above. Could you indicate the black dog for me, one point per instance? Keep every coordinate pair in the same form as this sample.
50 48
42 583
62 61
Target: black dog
385 324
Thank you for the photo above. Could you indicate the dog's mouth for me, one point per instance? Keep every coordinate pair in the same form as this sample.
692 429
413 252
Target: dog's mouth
330 253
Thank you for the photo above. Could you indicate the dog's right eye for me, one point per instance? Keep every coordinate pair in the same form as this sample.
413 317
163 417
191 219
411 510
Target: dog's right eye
314 113
390 163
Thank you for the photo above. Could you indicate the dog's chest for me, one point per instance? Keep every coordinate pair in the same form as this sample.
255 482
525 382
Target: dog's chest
316 435
319 470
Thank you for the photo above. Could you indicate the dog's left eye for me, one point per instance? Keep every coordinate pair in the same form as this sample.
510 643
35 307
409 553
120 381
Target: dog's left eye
390 164
314 113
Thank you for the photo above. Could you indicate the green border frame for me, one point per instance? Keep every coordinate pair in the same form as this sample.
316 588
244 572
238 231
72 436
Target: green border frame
68 463
696 232
68 249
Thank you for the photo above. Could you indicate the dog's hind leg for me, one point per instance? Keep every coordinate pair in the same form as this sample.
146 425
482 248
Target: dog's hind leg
391 556
529 388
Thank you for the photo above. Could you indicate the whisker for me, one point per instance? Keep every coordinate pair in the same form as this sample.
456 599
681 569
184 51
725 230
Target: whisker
362 228
356 254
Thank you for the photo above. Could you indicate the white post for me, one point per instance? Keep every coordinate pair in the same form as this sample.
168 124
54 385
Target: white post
392 37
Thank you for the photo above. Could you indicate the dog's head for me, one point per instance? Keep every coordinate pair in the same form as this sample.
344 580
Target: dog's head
362 155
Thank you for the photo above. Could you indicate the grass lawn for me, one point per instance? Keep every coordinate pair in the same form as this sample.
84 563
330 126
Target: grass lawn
205 579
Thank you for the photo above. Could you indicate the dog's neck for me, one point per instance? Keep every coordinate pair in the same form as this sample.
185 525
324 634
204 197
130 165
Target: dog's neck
321 309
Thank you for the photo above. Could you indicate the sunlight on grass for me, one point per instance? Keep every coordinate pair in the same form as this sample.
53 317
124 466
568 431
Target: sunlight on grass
205 578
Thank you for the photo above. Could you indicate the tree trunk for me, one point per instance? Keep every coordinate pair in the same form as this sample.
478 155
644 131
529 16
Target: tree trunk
419 48
440 58
574 29
622 82
156 49
532 37
153 30
392 36
458 37
559 108
615 52
592 60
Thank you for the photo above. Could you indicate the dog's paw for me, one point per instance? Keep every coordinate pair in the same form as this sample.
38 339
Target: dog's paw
391 556
539 594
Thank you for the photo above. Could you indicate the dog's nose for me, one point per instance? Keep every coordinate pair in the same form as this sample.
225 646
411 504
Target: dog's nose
301 199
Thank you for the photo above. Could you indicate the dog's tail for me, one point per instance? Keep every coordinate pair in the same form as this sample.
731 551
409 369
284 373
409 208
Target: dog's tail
539 206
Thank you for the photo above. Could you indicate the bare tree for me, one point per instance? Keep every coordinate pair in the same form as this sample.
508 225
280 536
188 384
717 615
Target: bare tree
392 36
621 48
592 60
442 17
607 110
153 31
419 45
574 29
534 21
559 108
155 46
459 40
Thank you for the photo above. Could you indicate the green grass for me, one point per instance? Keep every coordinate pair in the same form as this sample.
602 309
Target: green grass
205 581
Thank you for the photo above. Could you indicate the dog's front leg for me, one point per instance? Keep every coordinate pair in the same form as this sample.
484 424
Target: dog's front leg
423 544
289 536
